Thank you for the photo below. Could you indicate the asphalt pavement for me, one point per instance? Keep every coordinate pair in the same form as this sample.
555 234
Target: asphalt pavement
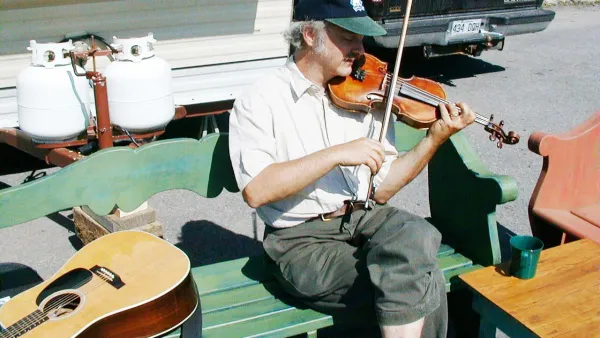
547 81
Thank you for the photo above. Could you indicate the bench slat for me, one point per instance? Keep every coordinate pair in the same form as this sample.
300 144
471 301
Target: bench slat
445 250
236 297
454 261
235 315
290 321
230 275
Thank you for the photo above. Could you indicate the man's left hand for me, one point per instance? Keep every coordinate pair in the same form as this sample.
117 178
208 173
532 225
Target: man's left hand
452 120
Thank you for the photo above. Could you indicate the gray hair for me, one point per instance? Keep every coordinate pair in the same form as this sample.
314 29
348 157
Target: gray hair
293 35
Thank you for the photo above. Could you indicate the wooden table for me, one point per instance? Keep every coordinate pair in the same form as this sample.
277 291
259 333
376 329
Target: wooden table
562 300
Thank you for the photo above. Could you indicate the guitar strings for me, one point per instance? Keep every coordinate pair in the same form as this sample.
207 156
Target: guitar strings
32 320
35 317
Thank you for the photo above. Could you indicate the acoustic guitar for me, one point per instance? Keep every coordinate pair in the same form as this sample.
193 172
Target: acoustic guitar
124 284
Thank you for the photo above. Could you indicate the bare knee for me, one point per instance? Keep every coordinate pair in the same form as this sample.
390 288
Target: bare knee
410 330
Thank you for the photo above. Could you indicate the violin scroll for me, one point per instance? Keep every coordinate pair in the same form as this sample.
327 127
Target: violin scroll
498 134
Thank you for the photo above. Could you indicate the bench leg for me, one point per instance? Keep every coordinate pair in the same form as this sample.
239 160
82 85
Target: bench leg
311 334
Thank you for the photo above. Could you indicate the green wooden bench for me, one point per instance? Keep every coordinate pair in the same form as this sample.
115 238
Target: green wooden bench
238 297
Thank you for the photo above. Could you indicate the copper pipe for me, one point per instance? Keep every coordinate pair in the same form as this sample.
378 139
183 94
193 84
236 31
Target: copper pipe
104 128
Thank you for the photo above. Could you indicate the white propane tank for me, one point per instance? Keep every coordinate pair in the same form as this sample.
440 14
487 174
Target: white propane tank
140 97
53 102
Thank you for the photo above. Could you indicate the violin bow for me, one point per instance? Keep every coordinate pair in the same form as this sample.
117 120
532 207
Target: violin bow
392 86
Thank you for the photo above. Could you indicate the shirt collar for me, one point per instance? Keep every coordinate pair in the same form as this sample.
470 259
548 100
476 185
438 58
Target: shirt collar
300 84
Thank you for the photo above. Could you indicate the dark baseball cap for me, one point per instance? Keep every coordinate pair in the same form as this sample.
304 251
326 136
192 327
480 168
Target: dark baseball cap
348 14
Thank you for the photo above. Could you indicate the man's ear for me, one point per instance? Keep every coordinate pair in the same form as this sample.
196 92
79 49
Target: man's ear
310 36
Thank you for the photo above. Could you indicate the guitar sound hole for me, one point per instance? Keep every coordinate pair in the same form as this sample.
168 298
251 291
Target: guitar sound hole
62 305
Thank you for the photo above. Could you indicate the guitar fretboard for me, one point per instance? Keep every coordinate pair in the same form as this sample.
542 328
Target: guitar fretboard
24 325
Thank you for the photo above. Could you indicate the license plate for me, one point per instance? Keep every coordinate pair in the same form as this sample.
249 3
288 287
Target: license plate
465 27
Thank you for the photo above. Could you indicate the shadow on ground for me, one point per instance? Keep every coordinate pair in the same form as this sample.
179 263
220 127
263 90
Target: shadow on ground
16 278
207 243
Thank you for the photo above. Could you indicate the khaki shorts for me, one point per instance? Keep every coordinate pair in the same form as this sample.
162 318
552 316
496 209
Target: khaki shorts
380 264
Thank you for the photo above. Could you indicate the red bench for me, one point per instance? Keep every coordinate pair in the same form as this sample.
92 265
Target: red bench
565 204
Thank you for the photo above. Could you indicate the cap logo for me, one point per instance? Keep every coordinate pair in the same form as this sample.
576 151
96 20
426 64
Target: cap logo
357 5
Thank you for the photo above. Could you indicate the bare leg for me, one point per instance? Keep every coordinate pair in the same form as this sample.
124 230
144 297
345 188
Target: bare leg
411 330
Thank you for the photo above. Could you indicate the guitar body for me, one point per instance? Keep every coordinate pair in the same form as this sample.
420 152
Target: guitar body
124 284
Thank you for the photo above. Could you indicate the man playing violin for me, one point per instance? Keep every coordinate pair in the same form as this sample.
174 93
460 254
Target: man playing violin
305 165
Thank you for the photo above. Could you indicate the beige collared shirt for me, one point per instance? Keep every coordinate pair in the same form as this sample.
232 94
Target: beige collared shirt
282 117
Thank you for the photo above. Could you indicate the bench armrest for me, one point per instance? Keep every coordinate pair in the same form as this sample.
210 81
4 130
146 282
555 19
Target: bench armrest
463 195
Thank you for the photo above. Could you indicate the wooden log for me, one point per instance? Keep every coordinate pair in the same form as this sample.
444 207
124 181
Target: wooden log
90 226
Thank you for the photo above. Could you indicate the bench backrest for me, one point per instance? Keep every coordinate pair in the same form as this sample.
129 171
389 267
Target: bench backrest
125 178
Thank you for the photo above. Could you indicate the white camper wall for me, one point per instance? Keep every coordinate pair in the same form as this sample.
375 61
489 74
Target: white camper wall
215 47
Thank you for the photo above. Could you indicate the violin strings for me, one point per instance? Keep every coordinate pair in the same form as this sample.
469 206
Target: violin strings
478 118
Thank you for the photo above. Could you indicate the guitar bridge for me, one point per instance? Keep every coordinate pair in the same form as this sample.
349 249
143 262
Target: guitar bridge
108 276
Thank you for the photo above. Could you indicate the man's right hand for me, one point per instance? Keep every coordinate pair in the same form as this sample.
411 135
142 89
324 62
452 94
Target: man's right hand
361 151
282 179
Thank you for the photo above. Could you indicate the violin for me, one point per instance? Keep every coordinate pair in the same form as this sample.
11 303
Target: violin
415 102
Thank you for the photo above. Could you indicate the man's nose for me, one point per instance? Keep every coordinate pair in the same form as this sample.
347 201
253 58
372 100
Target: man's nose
358 49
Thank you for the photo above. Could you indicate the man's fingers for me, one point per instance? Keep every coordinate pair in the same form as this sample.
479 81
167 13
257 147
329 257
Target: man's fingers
380 151
372 165
453 110
444 114
379 161
374 161
468 116
373 152
377 147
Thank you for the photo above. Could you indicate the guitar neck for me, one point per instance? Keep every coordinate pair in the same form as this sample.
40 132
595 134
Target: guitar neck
24 325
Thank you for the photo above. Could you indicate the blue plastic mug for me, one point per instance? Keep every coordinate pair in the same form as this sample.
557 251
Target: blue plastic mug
525 254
